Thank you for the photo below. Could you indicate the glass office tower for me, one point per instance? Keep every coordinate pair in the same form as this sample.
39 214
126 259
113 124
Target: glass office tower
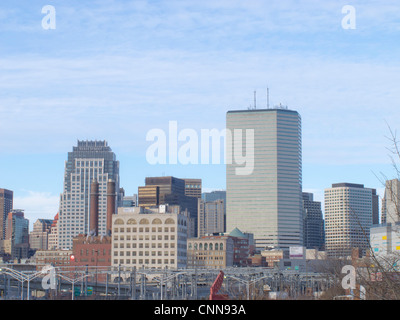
268 201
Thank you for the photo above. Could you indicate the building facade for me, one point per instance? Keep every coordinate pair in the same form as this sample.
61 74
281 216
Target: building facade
211 217
94 251
53 235
89 161
130 201
213 196
17 232
151 238
38 238
390 202
349 210
268 201
174 192
56 258
314 232
210 252
385 242
193 188
6 205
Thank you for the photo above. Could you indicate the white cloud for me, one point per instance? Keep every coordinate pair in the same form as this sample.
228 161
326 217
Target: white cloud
37 205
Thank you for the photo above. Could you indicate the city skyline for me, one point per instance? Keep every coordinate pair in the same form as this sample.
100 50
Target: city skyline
141 65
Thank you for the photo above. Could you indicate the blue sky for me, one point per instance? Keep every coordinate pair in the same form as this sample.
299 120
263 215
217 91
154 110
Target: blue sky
114 70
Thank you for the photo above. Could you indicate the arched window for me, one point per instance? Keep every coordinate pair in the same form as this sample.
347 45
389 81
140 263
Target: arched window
211 246
216 246
205 246
195 246
169 221
131 221
221 246
144 221
200 246
119 221
156 221
190 246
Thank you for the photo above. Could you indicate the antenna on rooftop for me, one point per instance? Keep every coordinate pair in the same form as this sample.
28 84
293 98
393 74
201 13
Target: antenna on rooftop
255 97
267 98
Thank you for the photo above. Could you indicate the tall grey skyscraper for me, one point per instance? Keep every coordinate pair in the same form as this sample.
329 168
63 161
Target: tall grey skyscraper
88 161
268 201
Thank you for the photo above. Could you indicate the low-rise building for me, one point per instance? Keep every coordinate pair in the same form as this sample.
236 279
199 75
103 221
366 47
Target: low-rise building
91 251
149 237
272 257
215 251
56 258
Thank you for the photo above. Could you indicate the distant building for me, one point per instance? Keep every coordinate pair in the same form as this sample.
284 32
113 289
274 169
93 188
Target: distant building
38 238
210 252
56 258
214 196
219 250
272 257
193 188
6 205
151 238
17 232
211 217
349 211
390 202
130 201
242 244
385 242
171 191
94 251
89 161
314 233
53 235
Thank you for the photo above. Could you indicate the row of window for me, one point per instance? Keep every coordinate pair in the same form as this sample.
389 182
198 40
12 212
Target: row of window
154 229
144 253
206 246
143 261
89 163
144 245
153 237
146 221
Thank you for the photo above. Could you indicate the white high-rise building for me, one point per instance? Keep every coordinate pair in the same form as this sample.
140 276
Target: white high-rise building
266 201
89 160
349 211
